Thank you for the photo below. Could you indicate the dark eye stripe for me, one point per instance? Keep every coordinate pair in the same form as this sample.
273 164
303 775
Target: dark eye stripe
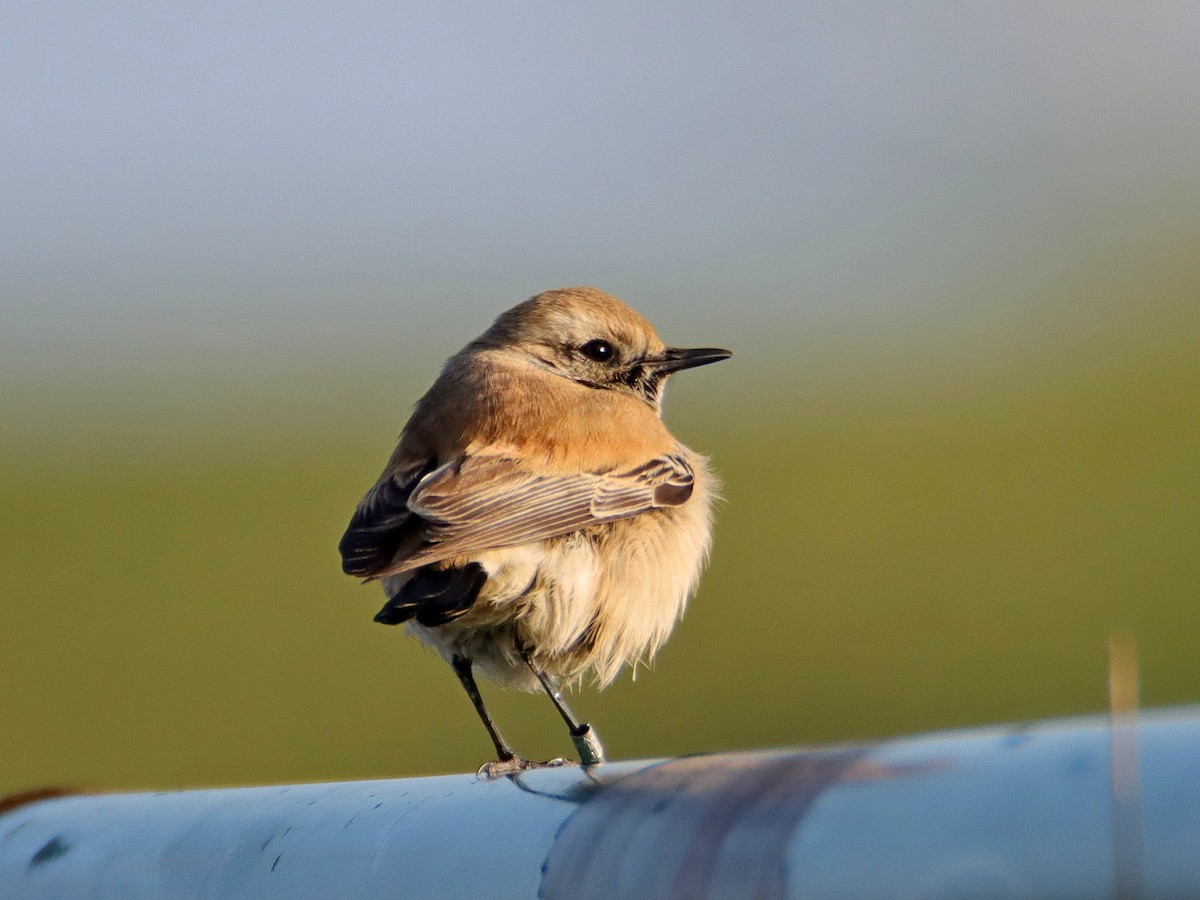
633 376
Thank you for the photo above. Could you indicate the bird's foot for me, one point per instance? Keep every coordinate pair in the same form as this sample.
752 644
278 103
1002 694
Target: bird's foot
501 768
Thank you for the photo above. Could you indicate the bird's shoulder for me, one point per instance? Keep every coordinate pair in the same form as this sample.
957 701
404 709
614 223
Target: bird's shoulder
493 403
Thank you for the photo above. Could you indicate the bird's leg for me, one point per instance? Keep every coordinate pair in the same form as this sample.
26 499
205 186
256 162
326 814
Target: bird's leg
508 762
507 757
583 736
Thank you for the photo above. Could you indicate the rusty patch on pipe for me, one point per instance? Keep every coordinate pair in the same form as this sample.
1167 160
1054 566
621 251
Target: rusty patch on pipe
24 798
697 827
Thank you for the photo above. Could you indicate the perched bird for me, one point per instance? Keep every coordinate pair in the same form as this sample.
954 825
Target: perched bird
537 521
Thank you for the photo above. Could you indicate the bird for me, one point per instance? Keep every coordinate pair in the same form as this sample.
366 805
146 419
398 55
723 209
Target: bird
537 522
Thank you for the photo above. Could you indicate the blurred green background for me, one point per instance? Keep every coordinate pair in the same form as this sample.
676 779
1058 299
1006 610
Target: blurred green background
955 253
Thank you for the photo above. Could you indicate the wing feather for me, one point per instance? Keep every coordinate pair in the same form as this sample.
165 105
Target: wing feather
490 502
381 522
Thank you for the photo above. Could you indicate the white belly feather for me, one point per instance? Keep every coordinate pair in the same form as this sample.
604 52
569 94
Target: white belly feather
586 602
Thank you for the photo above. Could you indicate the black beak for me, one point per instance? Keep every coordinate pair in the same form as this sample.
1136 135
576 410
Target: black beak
675 359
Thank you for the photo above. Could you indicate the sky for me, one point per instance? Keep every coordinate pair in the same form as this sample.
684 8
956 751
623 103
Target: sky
245 179
953 247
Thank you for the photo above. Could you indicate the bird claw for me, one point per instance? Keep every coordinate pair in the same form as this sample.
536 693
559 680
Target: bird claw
502 768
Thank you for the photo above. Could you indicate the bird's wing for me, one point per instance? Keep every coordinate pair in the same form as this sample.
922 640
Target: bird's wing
382 522
484 503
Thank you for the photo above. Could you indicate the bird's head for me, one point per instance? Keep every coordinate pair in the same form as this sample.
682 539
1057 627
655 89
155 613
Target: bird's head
594 339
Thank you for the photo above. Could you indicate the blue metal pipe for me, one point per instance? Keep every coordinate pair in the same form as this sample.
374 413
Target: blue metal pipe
1023 811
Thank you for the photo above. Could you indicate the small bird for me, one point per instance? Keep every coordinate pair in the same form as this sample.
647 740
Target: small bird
537 521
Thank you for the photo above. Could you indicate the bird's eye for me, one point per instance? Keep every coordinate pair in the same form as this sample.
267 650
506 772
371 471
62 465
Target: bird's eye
600 351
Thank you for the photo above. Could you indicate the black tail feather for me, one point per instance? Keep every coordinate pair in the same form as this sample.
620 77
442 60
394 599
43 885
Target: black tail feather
434 596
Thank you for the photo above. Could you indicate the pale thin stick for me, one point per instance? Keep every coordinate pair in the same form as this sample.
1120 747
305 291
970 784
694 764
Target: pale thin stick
1126 783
